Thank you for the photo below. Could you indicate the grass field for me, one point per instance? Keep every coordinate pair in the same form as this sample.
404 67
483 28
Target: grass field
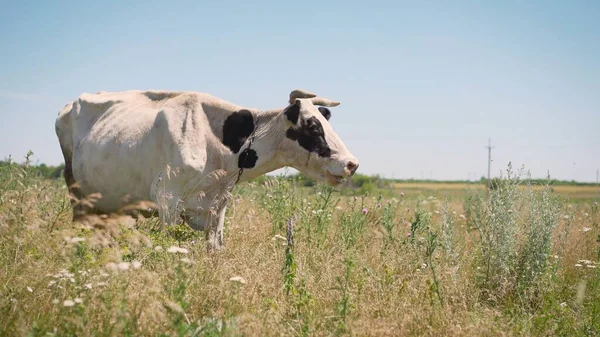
521 262
573 192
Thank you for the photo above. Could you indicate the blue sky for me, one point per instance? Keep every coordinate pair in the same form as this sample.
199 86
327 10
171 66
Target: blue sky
422 85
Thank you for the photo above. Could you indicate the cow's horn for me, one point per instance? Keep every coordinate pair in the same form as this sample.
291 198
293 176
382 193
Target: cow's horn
323 101
299 93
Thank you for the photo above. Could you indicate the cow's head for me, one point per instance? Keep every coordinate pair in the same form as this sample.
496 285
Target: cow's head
310 145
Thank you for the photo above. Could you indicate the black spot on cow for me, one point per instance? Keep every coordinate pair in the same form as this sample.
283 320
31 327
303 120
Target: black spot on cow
237 128
293 112
325 112
311 136
247 159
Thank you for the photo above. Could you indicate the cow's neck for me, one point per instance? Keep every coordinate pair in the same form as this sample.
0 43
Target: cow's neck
267 137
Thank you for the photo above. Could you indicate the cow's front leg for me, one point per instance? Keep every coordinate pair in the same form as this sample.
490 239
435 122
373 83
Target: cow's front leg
169 211
214 232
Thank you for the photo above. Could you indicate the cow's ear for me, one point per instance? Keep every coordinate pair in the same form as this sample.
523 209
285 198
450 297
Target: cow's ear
325 112
292 112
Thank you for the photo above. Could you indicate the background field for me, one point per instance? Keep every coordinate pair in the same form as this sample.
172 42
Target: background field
417 259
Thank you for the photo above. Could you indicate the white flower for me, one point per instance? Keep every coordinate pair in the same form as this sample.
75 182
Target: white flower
87 286
55 301
136 264
76 240
237 279
175 249
277 236
591 266
586 229
101 284
563 305
462 216
68 303
51 283
123 266
158 248
29 289
577 265
78 300
186 260
111 266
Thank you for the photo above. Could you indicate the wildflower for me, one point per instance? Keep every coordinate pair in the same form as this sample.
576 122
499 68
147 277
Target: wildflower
175 249
563 305
436 212
158 248
238 279
87 286
585 261
136 264
55 301
586 229
78 300
378 205
111 266
76 240
462 216
101 284
278 237
51 283
29 289
595 203
365 211
123 266
68 303
578 265
591 266
409 234
186 260
401 194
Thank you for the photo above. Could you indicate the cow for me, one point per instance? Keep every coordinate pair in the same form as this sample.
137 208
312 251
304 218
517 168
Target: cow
185 151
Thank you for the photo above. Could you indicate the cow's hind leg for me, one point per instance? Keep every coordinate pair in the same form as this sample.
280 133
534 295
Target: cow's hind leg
74 191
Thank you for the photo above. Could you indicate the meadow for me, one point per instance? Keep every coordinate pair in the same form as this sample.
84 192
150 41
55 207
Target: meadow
406 260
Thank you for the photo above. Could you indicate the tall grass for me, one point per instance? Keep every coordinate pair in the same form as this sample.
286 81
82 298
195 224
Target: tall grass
303 261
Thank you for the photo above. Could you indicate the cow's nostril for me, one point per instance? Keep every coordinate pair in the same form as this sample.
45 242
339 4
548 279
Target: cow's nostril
352 167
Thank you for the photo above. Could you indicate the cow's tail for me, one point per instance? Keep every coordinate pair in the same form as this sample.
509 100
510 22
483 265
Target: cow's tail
64 132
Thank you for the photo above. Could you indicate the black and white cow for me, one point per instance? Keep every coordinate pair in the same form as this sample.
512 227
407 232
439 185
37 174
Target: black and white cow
184 150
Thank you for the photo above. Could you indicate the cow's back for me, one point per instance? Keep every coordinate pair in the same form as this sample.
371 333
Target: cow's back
119 142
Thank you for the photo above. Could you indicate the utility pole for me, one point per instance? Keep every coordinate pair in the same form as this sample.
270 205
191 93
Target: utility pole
597 184
489 147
